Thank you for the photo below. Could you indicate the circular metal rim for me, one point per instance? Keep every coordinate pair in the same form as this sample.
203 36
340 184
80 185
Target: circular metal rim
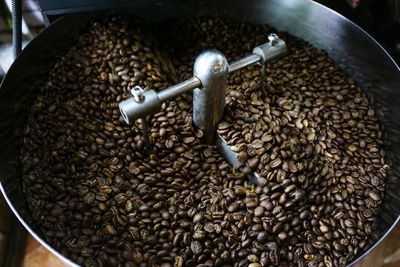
59 21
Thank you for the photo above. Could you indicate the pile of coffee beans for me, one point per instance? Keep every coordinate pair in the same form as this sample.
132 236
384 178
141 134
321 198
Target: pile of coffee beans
102 198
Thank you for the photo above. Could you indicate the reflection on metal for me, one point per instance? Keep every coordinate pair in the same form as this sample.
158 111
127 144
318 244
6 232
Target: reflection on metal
354 50
211 68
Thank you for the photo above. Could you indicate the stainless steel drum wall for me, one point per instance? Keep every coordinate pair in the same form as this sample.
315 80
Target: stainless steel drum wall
359 55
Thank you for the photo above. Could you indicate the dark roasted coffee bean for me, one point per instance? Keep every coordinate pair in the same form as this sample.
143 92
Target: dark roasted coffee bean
274 258
198 217
196 247
103 197
262 237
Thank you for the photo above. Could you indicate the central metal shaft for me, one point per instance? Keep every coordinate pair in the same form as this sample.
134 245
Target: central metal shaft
211 68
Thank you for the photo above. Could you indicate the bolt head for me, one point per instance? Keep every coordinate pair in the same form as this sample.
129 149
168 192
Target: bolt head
138 94
272 38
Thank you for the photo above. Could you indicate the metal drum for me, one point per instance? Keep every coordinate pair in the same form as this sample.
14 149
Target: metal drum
359 55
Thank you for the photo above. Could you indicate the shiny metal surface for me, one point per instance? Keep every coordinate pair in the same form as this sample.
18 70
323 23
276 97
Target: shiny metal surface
132 110
352 49
149 102
178 89
273 49
244 62
211 68
266 52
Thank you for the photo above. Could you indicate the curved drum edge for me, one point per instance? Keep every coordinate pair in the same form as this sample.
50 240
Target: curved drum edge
28 228
355 51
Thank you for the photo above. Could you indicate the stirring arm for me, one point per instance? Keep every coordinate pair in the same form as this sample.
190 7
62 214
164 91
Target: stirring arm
209 84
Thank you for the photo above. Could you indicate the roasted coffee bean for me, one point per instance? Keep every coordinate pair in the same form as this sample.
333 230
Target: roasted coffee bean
198 217
196 247
262 237
103 198
259 211
274 257
209 227
252 258
242 156
233 207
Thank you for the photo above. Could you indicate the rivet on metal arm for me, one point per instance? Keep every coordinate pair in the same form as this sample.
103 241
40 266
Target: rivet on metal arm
138 94
273 38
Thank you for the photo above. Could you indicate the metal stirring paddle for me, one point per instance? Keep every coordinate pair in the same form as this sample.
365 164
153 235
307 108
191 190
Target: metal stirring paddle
210 73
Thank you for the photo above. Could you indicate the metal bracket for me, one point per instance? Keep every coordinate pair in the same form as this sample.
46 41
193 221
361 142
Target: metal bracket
209 81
